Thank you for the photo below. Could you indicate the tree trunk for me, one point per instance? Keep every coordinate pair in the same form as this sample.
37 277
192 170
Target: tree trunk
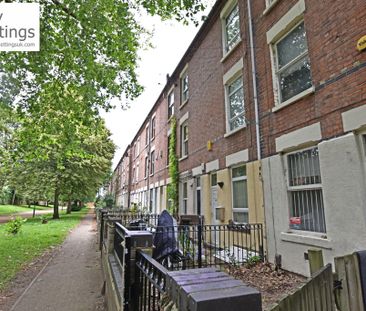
55 206
13 198
68 210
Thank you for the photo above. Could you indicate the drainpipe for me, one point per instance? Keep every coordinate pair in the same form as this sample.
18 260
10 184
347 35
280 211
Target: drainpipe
254 79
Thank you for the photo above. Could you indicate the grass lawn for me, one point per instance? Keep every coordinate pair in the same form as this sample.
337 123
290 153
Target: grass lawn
32 241
12 209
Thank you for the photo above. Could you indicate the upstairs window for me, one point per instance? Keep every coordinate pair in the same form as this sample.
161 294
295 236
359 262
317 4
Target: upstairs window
146 166
170 104
292 64
153 128
152 162
184 88
235 103
147 135
231 28
184 139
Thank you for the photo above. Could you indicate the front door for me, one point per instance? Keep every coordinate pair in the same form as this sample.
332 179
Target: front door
215 232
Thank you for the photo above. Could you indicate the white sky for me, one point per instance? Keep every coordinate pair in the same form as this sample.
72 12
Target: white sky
170 41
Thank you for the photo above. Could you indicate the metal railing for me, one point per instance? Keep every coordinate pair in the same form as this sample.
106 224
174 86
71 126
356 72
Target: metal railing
196 246
150 282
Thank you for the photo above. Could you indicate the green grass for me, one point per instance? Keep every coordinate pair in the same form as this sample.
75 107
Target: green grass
34 238
13 209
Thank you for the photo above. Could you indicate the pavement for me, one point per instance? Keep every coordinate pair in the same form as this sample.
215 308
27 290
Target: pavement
70 281
6 218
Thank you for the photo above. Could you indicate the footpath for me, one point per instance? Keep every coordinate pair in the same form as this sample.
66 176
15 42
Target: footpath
72 279
6 218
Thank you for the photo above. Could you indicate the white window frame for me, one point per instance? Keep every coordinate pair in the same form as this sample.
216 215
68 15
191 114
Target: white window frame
234 179
231 76
226 11
147 134
152 162
184 98
146 173
315 186
184 198
138 146
153 127
171 104
290 20
137 172
184 140
134 174
277 71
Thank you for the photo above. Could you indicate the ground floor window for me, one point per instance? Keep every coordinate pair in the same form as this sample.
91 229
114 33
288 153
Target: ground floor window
240 194
305 191
185 197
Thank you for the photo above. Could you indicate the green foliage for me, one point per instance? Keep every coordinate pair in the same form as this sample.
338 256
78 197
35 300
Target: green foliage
15 225
253 260
5 195
109 201
43 219
173 187
90 44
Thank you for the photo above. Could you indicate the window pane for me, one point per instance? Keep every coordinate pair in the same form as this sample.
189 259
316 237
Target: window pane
304 168
307 210
240 197
236 104
239 171
213 179
232 28
237 122
292 46
295 79
241 217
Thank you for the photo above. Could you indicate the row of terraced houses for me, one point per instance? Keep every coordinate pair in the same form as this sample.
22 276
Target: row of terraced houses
270 103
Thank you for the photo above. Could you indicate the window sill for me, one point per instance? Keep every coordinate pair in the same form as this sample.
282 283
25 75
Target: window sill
231 51
307 238
234 131
183 158
294 99
270 7
183 104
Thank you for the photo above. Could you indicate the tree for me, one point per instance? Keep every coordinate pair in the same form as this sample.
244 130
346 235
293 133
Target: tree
61 146
91 44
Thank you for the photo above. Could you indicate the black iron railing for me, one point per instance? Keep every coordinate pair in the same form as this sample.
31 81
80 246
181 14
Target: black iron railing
150 283
196 246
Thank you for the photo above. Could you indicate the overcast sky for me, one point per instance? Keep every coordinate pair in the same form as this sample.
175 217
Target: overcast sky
170 41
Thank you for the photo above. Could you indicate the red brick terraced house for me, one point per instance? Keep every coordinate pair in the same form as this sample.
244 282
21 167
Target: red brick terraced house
270 103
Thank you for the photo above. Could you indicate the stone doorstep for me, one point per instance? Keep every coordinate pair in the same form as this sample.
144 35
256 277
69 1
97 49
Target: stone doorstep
232 298
187 290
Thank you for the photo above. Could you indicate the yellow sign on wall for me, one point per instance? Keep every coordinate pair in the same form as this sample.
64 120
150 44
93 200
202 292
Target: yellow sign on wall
361 44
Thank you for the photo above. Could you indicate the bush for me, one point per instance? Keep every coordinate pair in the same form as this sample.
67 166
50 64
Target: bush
15 225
